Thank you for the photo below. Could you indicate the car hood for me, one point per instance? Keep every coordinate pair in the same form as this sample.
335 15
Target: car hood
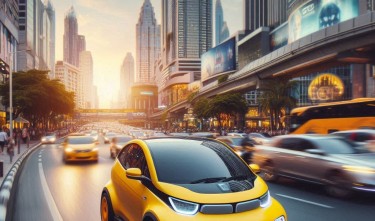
367 159
186 193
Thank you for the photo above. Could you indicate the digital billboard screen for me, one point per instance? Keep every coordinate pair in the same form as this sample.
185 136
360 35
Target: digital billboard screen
219 59
318 14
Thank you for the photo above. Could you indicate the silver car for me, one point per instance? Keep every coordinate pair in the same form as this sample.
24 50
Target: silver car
338 164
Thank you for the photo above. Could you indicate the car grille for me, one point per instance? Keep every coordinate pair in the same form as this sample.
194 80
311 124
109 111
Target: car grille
230 208
238 186
82 151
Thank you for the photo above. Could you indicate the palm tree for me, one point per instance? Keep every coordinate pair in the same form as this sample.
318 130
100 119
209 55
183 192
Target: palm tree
276 97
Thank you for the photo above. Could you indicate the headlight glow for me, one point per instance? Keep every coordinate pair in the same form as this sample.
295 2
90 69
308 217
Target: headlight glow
183 207
281 218
359 169
44 139
68 149
95 149
265 200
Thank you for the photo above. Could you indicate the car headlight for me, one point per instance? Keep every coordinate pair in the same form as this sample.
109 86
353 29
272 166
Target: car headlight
184 207
281 218
265 200
44 139
95 149
358 169
53 139
68 149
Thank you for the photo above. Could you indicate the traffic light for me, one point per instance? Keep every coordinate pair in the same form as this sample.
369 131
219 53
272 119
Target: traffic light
4 67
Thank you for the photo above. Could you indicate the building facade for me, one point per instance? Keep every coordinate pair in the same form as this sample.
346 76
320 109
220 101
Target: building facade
147 44
87 79
186 35
71 52
127 75
221 27
69 75
36 36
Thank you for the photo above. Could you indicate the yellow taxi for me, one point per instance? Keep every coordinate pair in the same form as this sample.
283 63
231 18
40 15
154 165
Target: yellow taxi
171 178
80 148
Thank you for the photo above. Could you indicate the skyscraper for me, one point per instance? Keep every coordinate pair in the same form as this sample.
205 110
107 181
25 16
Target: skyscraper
186 35
126 81
81 43
71 54
36 35
87 79
255 14
147 44
221 28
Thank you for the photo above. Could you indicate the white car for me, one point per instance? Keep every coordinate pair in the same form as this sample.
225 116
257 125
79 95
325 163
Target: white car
48 138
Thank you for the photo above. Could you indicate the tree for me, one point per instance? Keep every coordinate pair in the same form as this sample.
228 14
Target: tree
275 97
38 98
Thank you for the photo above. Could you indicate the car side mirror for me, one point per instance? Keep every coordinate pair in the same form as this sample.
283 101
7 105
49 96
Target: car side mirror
255 168
316 152
136 174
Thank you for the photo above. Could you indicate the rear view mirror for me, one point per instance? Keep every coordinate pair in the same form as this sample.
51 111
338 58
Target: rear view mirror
255 168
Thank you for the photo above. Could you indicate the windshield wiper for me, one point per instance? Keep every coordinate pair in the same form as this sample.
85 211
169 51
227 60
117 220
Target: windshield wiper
208 180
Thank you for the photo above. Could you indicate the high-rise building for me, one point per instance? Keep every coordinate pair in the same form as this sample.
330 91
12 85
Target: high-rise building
221 28
69 75
126 81
255 14
87 79
36 35
186 35
147 44
277 12
81 43
71 54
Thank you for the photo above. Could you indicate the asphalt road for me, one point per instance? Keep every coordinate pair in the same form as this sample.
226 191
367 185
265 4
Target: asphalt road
49 190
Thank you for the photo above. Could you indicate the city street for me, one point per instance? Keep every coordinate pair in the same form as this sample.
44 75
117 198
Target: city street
48 190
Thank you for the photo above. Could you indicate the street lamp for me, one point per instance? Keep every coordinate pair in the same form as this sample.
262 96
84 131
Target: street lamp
11 90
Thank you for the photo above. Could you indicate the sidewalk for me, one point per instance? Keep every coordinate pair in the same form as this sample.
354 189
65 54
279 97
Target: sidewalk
4 157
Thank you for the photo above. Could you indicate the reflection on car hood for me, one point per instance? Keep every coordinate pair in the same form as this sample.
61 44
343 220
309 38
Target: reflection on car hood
189 193
367 159
81 146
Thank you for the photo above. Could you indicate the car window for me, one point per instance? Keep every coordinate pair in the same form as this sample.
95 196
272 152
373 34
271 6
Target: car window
338 146
132 156
182 162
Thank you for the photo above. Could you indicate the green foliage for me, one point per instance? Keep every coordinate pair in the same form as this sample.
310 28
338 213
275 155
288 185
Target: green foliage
37 97
222 78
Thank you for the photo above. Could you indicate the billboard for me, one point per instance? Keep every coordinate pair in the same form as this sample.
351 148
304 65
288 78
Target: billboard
326 87
219 59
318 14
279 36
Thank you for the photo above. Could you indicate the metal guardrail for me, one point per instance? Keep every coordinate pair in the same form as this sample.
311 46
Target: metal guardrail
7 184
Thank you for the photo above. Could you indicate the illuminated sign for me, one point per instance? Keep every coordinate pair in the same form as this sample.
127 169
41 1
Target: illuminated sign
219 59
149 93
326 87
318 14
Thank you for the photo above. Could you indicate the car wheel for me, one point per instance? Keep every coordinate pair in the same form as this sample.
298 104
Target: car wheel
268 172
337 186
106 209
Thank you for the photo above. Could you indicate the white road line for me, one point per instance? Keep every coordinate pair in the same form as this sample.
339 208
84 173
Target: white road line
47 193
305 201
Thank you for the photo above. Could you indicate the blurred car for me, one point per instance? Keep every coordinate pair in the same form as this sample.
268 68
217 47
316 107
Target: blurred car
175 178
48 138
260 138
364 137
94 134
80 148
180 134
117 143
108 137
204 134
332 161
237 134
157 134
243 146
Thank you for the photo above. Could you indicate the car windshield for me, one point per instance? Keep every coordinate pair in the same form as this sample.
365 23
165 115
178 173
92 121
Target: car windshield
50 134
237 141
193 161
339 146
80 140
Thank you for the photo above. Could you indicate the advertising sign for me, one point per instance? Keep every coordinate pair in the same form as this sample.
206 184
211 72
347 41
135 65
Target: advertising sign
279 37
219 59
318 14
326 87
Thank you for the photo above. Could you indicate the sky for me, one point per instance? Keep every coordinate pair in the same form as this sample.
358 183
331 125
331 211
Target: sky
109 28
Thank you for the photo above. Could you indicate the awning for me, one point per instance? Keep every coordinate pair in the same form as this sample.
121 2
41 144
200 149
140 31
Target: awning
21 120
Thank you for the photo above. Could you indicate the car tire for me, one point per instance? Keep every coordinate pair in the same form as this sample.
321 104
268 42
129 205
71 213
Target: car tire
106 209
268 172
336 186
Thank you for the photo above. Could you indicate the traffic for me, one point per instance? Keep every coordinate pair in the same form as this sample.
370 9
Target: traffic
168 177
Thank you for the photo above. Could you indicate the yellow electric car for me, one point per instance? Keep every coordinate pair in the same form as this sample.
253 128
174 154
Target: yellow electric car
80 148
177 179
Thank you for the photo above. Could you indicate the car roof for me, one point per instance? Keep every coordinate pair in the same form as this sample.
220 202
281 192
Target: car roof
355 131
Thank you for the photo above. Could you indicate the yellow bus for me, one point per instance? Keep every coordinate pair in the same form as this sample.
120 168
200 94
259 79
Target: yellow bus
335 116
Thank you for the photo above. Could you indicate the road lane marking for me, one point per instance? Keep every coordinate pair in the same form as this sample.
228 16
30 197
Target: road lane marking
47 193
305 201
